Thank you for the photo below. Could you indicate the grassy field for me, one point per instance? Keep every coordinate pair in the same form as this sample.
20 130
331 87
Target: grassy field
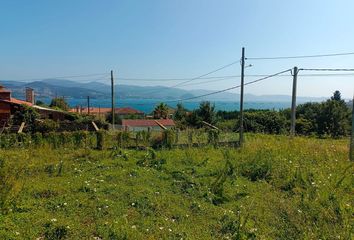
274 188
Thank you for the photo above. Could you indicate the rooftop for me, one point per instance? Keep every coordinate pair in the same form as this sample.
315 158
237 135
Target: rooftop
95 110
147 122
17 101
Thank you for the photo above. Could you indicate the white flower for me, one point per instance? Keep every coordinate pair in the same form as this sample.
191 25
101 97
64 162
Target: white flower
161 228
134 227
53 220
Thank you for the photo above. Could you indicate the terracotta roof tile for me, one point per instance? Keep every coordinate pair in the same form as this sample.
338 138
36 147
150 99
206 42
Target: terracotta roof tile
147 122
95 110
17 101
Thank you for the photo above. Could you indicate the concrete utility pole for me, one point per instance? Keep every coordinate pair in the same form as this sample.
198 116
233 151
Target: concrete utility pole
113 108
351 150
88 105
241 95
293 102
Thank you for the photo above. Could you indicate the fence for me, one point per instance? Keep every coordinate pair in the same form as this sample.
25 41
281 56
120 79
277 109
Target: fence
102 139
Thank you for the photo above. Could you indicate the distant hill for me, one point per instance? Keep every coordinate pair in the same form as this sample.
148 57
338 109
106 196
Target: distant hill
72 89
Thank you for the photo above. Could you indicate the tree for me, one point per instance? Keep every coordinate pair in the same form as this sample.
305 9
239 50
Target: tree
334 117
180 112
337 96
207 112
161 111
40 103
59 103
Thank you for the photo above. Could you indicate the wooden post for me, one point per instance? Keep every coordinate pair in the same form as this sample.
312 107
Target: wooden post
88 105
112 96
351 148
241 95
21 127
293 103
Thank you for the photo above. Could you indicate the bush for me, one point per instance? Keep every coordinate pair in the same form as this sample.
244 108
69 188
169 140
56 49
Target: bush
46 126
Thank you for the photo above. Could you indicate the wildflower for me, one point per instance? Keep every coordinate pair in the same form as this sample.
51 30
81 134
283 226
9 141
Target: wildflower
53 220
65 204
17 233
134 227
161 228
170 229
133 204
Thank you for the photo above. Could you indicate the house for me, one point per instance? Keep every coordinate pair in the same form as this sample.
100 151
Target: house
99 112
10 105
147 124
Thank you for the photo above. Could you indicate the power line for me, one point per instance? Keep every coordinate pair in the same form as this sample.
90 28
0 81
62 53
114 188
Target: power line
201 76
170 79
303 56
227 89
329 69
206 74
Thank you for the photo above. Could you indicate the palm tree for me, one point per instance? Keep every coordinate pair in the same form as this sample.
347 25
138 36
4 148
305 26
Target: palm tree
161 111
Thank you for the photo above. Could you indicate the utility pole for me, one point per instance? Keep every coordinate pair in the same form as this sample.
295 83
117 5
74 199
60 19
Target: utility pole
88 105
241 95
351 148
293 102
113 110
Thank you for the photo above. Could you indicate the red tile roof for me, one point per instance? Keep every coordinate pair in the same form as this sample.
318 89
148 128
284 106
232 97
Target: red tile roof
95 110
16 101
147 122
3 89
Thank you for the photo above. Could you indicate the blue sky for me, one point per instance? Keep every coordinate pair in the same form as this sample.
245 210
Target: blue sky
178 39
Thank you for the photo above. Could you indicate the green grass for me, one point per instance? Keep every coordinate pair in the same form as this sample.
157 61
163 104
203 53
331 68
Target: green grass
274 188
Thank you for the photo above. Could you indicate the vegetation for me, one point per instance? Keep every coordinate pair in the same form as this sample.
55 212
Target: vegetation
331 118
161 111
59 103
273 188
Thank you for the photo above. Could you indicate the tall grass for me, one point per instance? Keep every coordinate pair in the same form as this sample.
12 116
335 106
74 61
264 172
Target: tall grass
273 188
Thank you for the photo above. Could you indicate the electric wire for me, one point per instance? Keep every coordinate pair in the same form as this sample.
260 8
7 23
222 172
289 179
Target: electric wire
329 69
301 56
227 89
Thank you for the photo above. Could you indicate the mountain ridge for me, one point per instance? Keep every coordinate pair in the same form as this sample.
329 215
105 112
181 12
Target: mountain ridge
72 89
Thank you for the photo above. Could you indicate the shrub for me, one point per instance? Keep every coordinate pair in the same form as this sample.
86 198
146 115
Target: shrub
45 126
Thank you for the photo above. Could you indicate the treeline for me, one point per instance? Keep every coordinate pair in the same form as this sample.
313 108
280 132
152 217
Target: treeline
331 118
